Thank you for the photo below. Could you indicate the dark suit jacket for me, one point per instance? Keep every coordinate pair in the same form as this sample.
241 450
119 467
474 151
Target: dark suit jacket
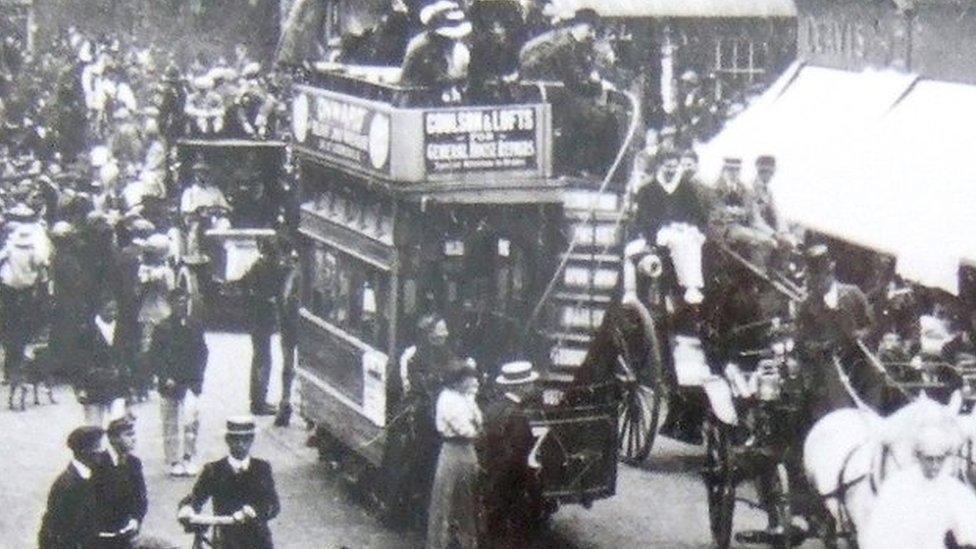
229 492
101 375
179 352
120 492
69 522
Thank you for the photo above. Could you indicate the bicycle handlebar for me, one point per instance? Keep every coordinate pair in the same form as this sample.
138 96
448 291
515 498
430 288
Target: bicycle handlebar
211 520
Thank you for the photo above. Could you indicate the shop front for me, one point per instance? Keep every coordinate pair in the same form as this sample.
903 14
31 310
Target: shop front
871 137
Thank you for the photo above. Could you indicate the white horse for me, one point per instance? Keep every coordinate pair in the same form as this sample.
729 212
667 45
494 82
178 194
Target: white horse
684 243
850 452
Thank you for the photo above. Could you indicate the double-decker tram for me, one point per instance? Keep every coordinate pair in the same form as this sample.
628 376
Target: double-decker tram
411 207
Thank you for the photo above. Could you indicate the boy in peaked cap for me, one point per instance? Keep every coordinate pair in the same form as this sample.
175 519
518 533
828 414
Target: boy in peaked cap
70 519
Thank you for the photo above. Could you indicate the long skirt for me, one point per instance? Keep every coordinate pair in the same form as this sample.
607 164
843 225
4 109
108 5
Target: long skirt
452 520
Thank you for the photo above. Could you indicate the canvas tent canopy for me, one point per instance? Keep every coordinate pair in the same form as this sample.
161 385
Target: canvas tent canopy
681 8
877 158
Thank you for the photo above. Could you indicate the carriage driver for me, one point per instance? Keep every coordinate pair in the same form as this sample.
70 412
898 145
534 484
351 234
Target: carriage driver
200 199
829 323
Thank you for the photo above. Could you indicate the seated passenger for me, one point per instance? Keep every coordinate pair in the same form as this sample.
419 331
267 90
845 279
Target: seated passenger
585 130
392 34
495 44
201 193
437 58
205 108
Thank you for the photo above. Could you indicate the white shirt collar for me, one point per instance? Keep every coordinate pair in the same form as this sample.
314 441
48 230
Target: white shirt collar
832 297
514 398
113 455
83 470
239 465
107 329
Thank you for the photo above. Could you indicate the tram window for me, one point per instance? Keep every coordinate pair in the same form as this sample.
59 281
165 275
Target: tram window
350 294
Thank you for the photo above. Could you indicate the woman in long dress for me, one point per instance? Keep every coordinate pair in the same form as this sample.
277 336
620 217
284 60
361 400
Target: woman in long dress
452 520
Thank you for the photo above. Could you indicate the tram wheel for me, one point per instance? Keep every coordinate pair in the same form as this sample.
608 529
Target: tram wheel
719 482
641 399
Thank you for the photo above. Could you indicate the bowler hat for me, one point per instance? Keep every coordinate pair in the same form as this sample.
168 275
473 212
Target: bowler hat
517 373
587 16
240 426
124 424
84 437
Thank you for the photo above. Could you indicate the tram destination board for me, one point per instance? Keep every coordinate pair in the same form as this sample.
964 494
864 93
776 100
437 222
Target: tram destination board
481 139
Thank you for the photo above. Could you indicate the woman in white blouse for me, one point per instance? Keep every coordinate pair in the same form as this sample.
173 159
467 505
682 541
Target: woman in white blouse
453 516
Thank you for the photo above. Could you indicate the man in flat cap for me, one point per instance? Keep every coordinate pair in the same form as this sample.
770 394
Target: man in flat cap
120 488
830 322
240 486
70 519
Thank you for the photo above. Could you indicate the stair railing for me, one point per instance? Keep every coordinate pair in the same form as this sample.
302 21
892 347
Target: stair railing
634 103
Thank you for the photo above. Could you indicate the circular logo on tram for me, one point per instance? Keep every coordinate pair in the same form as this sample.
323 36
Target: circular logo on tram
379 140
299 117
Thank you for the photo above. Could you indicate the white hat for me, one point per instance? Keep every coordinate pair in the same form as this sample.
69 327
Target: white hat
452 24
251 69
517 373
933 441
429 11
22 237
99 156
158 244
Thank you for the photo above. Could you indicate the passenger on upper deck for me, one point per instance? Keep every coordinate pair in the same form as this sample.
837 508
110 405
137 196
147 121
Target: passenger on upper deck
585 129
438 58
565 55
498 37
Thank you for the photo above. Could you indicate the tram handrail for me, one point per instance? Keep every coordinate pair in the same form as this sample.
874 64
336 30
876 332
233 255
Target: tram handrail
621 153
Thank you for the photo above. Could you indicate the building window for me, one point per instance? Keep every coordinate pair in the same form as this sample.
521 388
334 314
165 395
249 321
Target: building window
739 63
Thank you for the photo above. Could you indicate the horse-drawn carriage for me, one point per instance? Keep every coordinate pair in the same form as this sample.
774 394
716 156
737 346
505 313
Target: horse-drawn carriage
219 242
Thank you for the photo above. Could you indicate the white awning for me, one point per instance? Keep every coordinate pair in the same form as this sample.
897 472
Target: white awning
880 159
681 8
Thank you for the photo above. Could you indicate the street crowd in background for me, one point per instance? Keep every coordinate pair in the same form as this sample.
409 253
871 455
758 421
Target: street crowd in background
92 204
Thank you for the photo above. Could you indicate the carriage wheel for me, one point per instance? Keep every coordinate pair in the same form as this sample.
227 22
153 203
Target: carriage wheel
719 482
640 404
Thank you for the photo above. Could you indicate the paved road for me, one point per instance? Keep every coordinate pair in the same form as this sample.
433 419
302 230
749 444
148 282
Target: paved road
660 505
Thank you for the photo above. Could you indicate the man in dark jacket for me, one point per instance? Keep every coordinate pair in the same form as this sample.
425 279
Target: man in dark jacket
437 59
262 285
830 322
70 520
120 488
505 450
239 486
585 130
179 357
101 382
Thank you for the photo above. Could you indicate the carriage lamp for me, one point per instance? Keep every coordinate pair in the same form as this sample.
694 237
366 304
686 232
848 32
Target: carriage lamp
650 265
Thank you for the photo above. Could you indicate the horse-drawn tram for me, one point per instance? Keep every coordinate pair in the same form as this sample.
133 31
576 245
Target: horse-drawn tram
247 199
410 208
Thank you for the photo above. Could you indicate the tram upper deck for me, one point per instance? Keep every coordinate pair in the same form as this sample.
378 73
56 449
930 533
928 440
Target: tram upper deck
360 120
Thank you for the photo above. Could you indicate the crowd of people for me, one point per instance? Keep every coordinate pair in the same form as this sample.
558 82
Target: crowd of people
95 210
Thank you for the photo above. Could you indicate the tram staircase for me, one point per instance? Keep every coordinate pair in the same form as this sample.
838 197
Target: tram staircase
589 275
